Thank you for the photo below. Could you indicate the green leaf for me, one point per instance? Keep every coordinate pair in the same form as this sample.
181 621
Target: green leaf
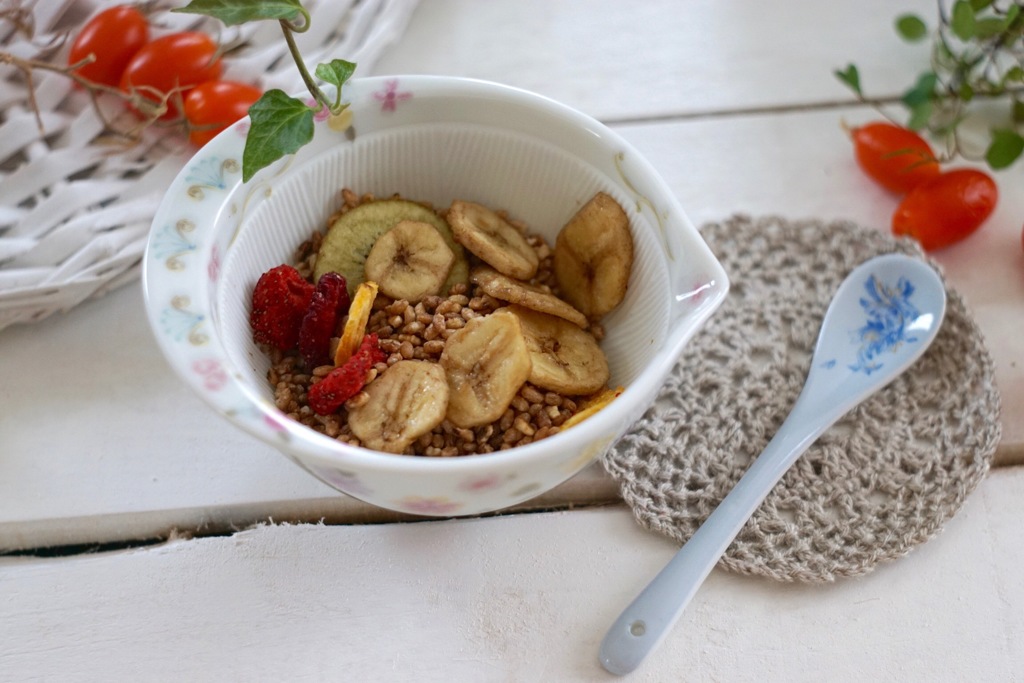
962 22
966 92
921 91
1006 146
233 12
911 28
280 125
851 77
920 115
1012 14
1013 74
988 27
336 72
978 5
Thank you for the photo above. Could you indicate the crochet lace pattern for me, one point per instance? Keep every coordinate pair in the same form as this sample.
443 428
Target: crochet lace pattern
883 479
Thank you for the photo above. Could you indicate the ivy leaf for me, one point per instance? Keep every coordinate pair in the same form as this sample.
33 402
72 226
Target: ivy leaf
280 125
911 28
233 12
336 72
1006 146
851 77
1017 111
978 5
962 21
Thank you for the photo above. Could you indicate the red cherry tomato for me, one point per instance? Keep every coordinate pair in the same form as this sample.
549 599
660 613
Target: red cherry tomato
112 37
946 209
213 106
896 158
179 60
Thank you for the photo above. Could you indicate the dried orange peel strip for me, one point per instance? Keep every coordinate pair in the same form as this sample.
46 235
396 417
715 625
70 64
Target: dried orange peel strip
355 327
592 405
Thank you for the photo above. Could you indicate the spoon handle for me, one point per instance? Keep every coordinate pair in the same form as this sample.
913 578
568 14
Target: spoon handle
644 623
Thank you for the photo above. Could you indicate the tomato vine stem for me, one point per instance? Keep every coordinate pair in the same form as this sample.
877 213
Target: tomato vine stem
150 110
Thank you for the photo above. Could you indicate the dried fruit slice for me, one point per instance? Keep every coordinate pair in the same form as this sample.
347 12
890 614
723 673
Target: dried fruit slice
594 256
279 302
326 308
344 382
563 357
505 288
410 261
355 326
348 242
407 401
493 239
486 363
592 406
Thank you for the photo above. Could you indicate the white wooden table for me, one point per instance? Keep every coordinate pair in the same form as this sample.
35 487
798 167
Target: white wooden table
735 103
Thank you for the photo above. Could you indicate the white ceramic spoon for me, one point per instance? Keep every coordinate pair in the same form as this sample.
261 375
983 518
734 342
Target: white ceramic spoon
882 318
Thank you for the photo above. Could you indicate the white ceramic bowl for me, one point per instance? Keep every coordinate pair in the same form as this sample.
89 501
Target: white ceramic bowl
434 139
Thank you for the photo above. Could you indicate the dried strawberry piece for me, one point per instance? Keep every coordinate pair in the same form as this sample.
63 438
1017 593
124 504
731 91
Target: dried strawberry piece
345 381
329 303
279 302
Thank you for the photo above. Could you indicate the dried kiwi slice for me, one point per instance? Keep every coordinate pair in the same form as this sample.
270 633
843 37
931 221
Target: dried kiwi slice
348 242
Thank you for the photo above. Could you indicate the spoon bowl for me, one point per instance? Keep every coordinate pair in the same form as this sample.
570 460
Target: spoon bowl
882 318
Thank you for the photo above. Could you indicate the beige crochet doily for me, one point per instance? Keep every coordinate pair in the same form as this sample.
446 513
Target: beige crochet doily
885 478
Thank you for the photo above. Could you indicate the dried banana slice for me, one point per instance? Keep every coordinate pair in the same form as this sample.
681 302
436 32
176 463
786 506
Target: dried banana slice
505 288
594 256
407 401
493 239
410 261
486 363
563 357
592 406
355 326
349 240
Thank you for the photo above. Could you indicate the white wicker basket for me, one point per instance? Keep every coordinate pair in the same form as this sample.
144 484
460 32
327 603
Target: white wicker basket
74 209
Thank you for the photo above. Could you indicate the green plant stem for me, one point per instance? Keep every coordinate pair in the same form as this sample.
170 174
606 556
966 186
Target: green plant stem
877 102
307 78
151 111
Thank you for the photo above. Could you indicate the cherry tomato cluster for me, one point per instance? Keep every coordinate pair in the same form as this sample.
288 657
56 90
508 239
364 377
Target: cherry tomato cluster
939 208
186 64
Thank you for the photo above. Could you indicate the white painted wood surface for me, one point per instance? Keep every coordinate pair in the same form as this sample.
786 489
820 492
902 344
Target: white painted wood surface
100 442
518 598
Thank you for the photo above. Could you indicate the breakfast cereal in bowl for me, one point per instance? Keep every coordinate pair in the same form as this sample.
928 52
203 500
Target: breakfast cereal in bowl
443 333
447 308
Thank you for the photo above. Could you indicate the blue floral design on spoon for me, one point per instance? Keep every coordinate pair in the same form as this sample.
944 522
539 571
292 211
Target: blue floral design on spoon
889 311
